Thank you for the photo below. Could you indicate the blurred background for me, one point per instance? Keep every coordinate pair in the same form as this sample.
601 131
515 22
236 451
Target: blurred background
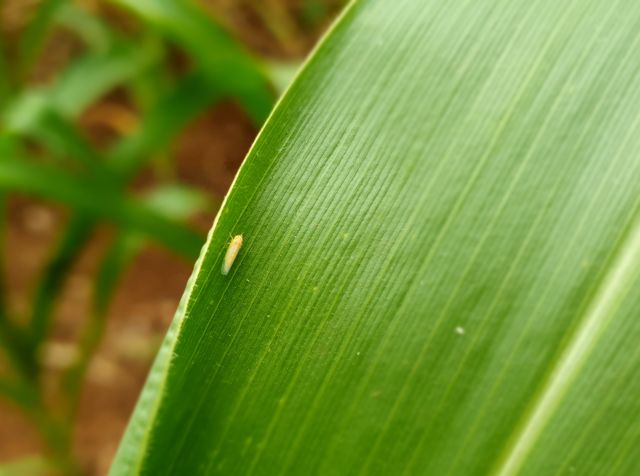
122 125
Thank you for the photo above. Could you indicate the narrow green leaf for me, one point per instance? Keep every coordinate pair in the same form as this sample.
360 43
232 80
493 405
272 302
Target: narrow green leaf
3 234
441 264
27 466
72 242
226 64
16 346
119 254
8 147
81 83
64 141
14 392
177 201
6 76
171 201
93 198
95 33
33 38
92 75
160 125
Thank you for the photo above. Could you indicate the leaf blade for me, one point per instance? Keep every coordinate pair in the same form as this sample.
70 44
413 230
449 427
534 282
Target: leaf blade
426 221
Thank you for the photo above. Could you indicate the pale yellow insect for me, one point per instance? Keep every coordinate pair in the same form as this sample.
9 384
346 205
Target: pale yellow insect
232 252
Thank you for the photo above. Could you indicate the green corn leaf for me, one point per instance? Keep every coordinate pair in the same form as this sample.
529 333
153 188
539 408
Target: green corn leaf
96 73
27 466
226 64
120 253
85 80
441 264
6 75
171 201
117 257
65 142
161 123
16 347
16 393
174 202
94 32
8 147
178 201
33 38
93 198
3 241
70 245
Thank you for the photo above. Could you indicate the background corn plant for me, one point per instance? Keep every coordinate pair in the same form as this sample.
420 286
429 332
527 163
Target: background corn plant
441 259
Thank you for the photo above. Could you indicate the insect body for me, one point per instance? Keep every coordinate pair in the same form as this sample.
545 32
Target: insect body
232 252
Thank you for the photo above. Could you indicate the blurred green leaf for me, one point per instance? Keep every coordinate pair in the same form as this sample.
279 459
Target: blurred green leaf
27 466
64 140
95 33
3 231
94 198
17 348
155 82
6 76
8 147
92 75
313 11
81 83
441 264
74 237
33 37
227 65
118 256
14 392
177 201
160 125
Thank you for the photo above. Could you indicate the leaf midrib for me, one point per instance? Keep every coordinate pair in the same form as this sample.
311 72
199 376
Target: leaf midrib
565 369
